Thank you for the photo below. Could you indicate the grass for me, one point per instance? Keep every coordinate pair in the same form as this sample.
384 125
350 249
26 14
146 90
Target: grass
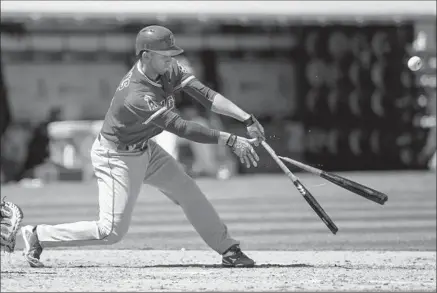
264 212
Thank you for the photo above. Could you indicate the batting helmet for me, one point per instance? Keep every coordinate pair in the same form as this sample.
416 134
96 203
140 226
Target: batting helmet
157 39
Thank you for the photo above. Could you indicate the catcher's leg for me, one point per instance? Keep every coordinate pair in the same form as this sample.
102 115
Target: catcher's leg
166 174
119 179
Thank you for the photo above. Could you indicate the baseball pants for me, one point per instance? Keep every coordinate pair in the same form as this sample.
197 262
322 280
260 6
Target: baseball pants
120 177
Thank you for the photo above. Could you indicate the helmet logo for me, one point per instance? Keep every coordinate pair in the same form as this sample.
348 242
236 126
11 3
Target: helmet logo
170 41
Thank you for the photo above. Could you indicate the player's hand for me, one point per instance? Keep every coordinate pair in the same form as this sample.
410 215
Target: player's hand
255 130
242 147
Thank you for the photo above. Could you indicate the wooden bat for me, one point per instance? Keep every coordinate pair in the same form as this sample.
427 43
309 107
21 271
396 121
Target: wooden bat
345 183
301 188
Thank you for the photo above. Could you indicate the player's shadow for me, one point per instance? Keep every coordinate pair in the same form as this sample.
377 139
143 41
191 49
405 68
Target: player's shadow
22 273
203 266
213 266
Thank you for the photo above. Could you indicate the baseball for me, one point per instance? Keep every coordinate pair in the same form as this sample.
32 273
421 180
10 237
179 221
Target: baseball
415 63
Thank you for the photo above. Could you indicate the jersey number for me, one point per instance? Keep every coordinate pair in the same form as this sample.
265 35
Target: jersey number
123 84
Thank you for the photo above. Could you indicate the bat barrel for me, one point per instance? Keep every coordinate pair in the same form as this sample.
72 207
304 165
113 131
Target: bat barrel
303 191
347 184
316 207
357 188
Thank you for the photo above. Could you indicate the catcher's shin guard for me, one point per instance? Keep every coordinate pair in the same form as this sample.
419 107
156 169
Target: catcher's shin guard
11 217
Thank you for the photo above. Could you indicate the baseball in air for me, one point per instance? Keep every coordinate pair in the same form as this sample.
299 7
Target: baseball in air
415 63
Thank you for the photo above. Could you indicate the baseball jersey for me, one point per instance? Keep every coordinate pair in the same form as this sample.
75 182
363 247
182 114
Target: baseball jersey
137 98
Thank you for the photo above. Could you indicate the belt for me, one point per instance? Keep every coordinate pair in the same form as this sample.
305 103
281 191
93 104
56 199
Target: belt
132 148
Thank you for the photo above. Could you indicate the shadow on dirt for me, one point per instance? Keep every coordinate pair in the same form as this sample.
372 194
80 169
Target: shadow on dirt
22 273
204 266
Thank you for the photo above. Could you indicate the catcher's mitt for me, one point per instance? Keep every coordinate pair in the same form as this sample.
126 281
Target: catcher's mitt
11 217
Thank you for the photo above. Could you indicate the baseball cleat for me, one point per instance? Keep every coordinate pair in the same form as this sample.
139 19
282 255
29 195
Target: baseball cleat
33 249
235 258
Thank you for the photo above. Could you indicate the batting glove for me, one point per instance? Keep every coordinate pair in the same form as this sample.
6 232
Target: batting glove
242 147
255 129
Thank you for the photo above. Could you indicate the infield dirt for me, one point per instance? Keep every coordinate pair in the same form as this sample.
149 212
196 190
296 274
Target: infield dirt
378 248
134 270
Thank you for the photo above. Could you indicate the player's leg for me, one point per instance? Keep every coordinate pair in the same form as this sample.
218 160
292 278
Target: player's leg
166 174
119 181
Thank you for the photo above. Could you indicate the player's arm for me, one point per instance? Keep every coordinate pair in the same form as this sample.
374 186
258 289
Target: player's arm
221 105
216 102
241 146
174 123
209 98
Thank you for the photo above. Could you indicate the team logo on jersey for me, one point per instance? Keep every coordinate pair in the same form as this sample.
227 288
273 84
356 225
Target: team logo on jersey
169 102
151 103
170 41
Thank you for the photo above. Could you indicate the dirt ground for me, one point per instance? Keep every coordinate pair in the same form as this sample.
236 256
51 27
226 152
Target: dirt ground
140 271
378 248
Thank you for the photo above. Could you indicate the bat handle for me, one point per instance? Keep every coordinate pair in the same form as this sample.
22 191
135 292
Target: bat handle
357 188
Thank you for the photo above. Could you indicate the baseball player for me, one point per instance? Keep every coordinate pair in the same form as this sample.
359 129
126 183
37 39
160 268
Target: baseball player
124 155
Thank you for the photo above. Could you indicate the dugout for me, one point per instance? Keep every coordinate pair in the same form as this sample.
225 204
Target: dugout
329 81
